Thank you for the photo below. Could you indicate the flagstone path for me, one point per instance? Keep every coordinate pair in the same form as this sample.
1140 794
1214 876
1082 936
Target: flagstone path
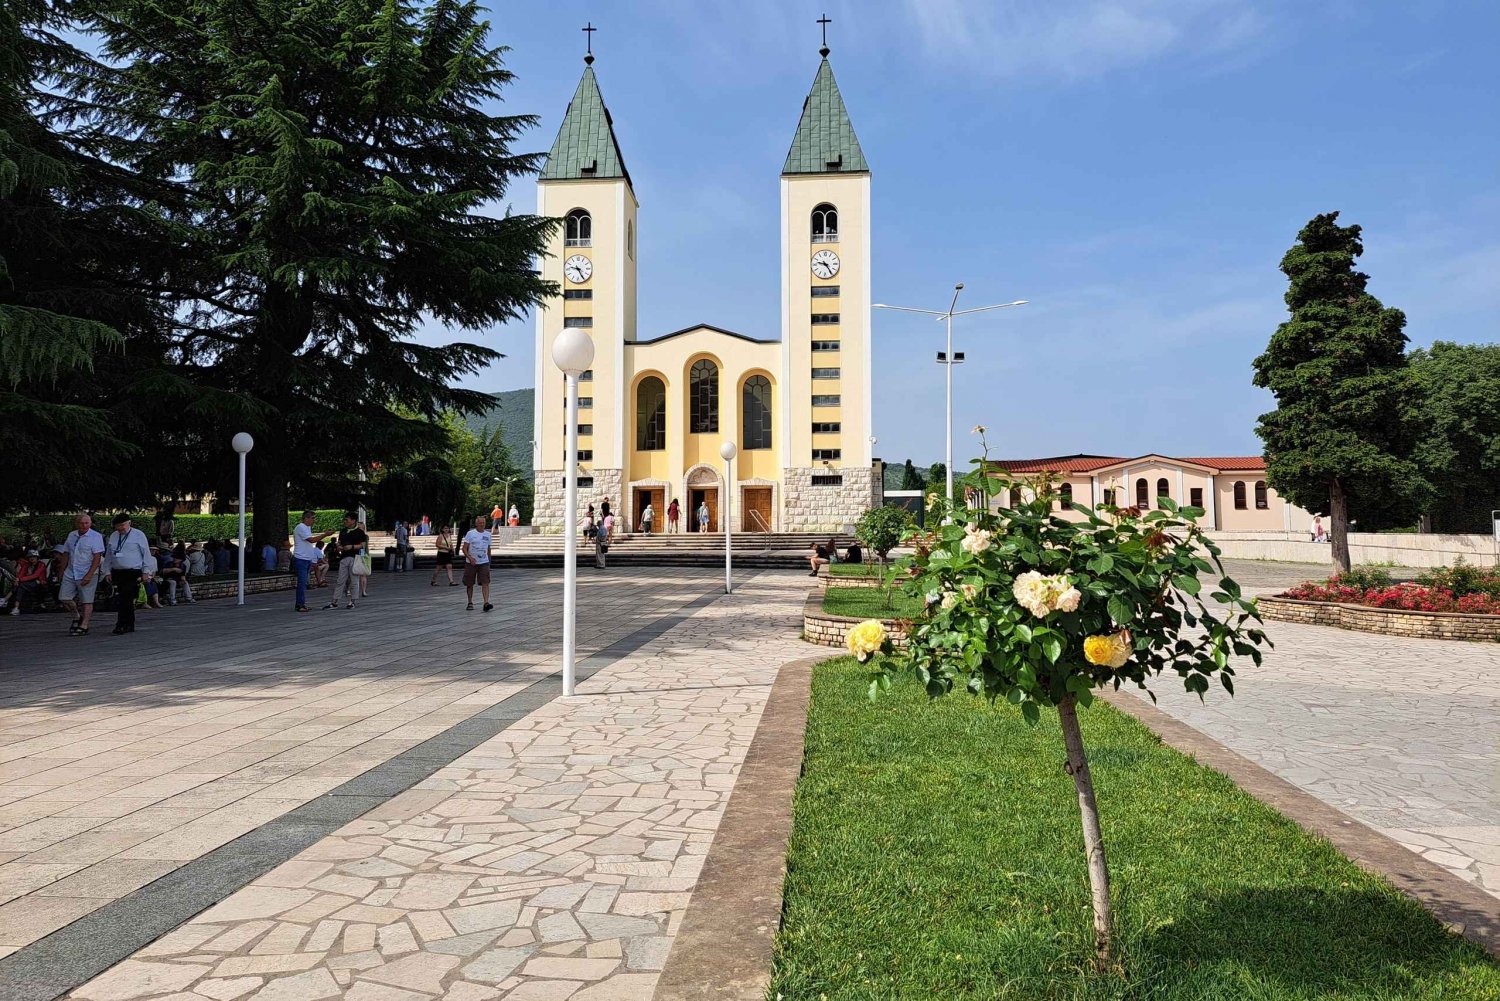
555 860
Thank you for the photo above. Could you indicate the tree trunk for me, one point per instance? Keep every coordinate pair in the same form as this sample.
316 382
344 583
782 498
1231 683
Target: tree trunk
1093 839
269 473
1338 525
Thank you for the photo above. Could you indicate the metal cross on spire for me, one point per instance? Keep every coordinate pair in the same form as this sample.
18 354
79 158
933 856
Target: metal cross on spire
588 33
825 22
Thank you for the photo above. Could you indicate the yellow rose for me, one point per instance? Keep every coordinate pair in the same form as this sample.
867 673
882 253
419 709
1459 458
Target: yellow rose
865 639
1109 650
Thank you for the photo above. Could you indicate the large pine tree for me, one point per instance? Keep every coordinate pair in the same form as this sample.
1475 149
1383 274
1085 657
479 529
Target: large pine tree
345 179
1342 435
73 238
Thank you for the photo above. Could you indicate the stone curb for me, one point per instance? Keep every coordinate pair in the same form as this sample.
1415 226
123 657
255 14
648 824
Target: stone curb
1468 626
723 949
824 629
1461 907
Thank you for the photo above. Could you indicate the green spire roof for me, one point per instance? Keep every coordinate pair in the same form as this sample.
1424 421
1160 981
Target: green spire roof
585 147
825 142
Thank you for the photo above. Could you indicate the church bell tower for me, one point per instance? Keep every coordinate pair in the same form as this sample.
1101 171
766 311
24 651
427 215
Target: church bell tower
825 314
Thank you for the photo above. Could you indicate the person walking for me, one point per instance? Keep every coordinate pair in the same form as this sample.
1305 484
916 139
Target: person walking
82 552
351 540
603 509
305 553
703 516
674 514
477 562
497 514
601 545
647 515
444 557
127 556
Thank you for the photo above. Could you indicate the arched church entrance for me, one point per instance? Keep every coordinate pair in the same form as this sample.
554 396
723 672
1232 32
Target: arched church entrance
703 483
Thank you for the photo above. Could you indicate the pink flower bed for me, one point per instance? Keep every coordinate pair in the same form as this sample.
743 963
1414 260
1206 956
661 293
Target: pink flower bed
1408 597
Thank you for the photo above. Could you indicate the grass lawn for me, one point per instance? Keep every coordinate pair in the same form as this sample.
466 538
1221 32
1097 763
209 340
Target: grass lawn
936 853
869 602
861 569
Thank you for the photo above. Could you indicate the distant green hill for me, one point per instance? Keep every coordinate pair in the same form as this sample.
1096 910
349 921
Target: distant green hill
513 412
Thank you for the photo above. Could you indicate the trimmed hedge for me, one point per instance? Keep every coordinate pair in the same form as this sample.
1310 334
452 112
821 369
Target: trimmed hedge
189 528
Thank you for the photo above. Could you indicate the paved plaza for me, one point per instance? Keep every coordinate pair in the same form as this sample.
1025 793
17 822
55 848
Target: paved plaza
393 804
1400 733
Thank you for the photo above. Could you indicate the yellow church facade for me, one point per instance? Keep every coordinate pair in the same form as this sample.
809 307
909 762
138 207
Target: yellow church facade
656 407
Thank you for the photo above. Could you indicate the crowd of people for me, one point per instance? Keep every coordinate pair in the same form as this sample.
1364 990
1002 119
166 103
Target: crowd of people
46 574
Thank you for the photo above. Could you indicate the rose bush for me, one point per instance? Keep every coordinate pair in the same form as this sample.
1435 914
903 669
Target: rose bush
1039 610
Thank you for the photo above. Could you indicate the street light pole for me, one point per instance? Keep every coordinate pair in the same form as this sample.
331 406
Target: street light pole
573 353
242 443
948 360
728 450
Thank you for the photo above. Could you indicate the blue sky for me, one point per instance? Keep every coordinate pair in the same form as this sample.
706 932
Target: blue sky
1135 168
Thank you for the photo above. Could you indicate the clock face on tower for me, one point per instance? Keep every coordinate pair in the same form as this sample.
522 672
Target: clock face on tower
825 264
578 268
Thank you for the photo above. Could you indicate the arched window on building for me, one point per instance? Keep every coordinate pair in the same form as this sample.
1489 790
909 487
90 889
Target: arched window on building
1142 494
825 224
755 406
1109 496
1065 495
703 397
1162 490
1262 501
1239 495
651 415
1016 500
630 239
578 229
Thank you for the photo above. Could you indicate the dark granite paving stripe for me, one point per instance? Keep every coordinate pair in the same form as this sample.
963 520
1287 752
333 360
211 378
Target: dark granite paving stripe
76 953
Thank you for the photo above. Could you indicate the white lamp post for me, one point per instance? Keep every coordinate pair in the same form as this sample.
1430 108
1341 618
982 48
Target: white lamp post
947 359
728 451
573 353
242 443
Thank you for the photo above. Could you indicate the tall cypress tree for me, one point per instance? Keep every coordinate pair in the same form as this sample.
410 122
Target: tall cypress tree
343 180
1342 435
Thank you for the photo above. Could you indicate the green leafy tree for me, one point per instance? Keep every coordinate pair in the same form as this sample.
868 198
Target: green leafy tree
1343 433
881 529
1027 606
339 164
1459 447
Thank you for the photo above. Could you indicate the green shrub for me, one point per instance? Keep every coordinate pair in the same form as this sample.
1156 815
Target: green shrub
1365 577
189 527
1463 578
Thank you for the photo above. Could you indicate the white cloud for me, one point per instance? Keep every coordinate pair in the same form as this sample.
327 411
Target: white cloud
1075 39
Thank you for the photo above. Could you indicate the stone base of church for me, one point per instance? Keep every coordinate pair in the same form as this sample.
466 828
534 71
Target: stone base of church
814 505
550 503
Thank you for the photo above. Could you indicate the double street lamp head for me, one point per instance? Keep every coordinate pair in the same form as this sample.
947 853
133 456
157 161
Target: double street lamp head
573 351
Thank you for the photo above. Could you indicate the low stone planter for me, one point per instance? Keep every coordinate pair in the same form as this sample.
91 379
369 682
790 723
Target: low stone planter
824 629
1388 621
826 579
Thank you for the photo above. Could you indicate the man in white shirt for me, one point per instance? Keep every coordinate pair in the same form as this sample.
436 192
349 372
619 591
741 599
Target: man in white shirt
305 553
83 551
477 562
126 556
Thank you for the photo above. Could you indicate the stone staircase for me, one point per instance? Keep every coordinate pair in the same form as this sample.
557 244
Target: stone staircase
786 550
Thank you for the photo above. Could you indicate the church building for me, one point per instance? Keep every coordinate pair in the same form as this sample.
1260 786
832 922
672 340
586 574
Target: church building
657 406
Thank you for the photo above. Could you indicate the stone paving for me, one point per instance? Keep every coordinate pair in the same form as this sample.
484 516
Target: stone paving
1402 734
553 861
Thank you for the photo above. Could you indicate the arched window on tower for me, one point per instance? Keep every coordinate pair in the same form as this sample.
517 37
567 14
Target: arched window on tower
703 397
1162 490
651 415
825 224
1142 494
578 229
755 406
1262 500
